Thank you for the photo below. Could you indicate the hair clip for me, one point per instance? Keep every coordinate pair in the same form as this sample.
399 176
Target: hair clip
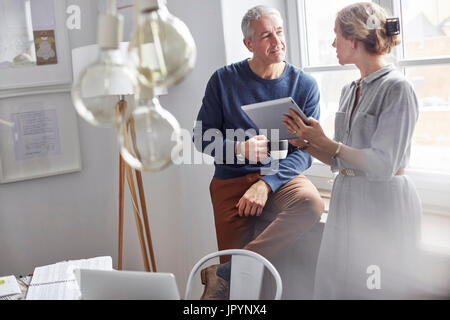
392 27
373 22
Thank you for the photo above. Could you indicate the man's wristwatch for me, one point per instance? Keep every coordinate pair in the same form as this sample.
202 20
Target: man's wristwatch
239 154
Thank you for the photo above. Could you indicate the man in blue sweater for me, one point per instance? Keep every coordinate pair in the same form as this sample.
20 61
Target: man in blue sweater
247 187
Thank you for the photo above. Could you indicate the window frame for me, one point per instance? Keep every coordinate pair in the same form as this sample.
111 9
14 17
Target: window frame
433 187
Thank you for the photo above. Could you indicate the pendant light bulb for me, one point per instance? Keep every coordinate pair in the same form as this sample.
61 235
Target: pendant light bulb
97 89
149 136
162 50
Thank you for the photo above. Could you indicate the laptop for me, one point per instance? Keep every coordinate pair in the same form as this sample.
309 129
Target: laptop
126 285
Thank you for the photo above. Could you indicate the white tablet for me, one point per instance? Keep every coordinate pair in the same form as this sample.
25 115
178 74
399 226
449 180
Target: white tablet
268 116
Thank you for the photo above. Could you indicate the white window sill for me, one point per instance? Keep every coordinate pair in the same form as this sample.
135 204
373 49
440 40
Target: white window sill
435 227
433 187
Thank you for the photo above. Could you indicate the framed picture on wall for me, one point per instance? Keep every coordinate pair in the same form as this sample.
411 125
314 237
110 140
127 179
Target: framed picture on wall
34 44
38 136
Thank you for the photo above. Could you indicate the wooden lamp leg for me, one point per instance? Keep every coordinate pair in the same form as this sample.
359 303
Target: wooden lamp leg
125 168
145 217
136 216
121 194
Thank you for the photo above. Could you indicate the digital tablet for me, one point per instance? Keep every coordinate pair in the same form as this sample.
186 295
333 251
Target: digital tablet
268 116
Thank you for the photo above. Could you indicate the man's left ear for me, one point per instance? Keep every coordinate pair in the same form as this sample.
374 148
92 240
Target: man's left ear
248 44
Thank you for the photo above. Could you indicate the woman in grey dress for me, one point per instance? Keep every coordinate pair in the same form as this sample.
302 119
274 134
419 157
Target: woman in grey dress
373 224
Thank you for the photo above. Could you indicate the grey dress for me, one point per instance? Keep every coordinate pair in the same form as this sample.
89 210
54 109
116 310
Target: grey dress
374 220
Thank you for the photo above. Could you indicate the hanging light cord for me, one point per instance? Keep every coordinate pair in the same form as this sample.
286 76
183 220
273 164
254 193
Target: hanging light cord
112 7
137 18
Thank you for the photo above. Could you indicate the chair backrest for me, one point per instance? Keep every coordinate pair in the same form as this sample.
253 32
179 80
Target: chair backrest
246 274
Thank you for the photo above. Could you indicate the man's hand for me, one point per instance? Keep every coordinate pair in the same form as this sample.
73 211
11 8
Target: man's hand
253 201
255 149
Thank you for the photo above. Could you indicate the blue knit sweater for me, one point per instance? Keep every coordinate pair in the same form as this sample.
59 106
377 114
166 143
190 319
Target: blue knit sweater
236 85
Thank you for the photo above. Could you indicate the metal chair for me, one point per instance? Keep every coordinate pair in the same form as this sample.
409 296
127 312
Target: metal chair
246 274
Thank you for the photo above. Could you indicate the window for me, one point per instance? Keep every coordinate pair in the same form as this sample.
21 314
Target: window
319 25
431 149
424 58
426 28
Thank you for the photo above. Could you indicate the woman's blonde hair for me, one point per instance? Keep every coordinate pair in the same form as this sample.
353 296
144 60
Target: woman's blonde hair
366 22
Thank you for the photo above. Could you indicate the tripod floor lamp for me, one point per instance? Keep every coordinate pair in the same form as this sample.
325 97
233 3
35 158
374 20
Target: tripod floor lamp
161 52
140 216
81 57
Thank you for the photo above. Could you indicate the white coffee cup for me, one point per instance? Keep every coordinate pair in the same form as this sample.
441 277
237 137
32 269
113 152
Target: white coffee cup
278 149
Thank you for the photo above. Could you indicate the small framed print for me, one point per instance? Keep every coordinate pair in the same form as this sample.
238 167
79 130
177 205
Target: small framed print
38 136
44 42
34 45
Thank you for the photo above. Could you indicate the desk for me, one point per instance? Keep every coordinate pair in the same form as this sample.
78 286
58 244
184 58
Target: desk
24 283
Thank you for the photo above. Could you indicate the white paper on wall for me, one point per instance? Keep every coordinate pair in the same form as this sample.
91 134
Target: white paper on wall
36 134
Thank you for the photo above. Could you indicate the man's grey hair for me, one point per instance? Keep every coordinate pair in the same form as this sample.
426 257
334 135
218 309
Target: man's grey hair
254 14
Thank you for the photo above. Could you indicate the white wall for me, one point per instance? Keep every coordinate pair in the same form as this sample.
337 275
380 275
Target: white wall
62 217
195 218
74 216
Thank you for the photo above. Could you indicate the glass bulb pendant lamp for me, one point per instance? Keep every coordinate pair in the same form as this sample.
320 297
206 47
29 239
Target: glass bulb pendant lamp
149 136
162 50
97 89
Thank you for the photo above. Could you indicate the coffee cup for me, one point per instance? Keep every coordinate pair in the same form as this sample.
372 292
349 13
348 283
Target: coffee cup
278 149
